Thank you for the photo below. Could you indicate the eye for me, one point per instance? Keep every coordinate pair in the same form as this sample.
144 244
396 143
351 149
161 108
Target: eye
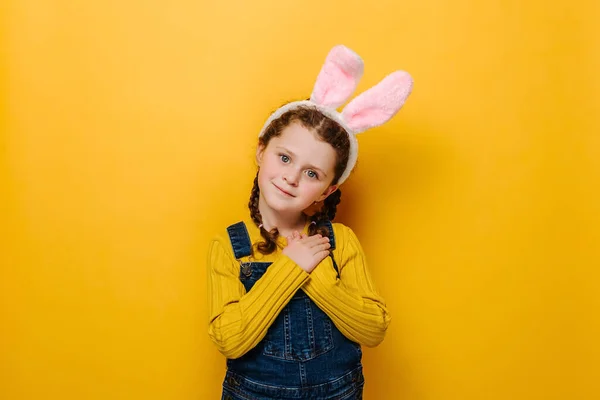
312 174
284 158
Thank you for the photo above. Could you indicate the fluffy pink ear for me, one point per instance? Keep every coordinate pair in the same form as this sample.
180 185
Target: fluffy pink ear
378 104
338 78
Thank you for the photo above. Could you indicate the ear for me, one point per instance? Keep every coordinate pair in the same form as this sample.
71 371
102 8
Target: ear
378 104
260 150
338 78
327 192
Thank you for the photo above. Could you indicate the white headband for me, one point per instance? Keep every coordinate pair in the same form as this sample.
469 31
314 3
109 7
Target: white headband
336 82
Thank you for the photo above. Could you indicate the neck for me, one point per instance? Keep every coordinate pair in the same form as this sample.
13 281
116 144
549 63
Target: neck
285 223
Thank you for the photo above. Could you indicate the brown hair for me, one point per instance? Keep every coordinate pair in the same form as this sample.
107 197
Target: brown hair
327 130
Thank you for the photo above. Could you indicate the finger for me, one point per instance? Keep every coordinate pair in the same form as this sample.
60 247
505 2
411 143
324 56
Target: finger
317 242
321 247
321 255
315 239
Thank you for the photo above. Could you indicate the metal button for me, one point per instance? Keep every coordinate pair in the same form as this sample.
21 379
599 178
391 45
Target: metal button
246 269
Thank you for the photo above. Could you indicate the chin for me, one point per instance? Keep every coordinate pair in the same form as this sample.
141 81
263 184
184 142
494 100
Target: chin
281 206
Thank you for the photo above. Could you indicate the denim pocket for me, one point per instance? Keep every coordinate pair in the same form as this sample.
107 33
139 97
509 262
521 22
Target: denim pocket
301 331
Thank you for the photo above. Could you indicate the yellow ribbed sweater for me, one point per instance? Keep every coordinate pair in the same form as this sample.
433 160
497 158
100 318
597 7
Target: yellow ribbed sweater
239 319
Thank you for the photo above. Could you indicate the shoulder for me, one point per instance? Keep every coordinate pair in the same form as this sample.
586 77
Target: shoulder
237 234
343 232
345 238
221 240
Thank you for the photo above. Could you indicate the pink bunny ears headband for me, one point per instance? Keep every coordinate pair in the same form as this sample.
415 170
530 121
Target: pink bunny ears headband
336 82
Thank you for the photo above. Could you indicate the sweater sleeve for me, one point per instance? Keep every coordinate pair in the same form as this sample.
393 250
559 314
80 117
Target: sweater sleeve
351 301
240 319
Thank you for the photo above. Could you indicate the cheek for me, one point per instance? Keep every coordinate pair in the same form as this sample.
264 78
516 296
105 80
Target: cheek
262 177
269 167
271 164
314 190
267 172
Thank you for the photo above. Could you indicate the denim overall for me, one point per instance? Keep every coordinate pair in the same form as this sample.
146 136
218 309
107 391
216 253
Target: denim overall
303 355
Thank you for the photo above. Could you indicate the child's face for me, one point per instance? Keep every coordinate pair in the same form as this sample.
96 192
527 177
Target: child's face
296 169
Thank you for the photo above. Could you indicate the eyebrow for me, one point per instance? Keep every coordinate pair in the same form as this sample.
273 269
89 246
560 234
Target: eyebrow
294 155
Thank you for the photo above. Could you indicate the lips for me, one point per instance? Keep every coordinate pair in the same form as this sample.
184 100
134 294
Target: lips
283 191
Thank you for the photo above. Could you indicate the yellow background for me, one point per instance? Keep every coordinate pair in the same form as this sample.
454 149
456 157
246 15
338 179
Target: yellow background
128 131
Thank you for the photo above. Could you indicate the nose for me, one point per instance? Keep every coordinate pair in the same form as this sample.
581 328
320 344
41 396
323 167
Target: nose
291 177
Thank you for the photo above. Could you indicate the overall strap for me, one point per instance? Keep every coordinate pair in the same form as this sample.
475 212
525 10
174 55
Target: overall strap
329 226
240 240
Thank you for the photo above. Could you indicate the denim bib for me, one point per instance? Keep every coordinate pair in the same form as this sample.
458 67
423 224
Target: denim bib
302 356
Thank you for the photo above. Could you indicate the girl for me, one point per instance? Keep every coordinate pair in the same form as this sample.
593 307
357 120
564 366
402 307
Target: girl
291 298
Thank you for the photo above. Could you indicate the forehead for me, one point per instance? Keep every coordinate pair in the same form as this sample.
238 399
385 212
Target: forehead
306 145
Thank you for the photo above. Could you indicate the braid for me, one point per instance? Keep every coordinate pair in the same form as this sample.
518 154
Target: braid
327 213
253 203
270 243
